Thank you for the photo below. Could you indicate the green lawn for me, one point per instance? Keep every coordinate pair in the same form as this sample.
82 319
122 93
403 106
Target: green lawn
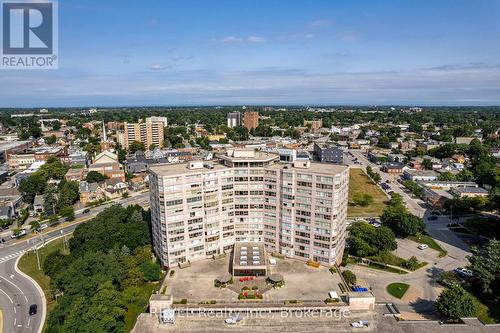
386 268
397 289
360 183
139 306
425 239
28 264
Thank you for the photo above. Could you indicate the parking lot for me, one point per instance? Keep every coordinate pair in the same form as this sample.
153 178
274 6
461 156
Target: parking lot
302 282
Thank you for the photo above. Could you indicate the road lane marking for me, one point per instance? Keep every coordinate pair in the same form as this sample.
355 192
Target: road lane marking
22 292
7 296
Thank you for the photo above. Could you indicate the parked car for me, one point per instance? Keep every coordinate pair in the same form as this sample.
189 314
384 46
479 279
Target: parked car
20 234
86 210
432 218
43 226
33 309
360 324
423 246
464 272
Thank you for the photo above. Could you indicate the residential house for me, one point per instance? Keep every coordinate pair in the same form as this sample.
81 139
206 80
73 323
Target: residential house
393 167
458 158
11 197
38 207
90 192
114 188
75 174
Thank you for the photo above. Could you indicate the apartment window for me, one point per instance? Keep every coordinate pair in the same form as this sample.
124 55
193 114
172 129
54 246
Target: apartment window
173 202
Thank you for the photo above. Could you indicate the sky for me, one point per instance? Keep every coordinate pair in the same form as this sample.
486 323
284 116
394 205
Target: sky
267 52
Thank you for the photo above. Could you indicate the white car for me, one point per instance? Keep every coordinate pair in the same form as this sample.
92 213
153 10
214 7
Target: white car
43 226
423 246
360 324
21 233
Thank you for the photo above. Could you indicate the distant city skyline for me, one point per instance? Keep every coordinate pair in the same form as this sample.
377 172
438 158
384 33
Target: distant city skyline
151 53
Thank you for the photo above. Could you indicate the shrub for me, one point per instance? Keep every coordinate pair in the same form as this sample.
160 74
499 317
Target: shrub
350 277
455 302
411 264
172 273
333 270
332 300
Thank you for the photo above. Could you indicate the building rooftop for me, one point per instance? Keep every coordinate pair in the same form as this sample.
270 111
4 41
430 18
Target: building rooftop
182 168
476 190
248 254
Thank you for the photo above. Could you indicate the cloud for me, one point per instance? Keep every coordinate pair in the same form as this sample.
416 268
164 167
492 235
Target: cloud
278 85
158 67
320 23
256 39
178 58
231 39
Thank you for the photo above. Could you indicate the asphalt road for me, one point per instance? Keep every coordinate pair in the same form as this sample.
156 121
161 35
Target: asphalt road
415 205
17 292
423 279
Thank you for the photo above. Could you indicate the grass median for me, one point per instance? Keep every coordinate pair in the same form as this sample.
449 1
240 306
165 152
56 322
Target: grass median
28 264
397 289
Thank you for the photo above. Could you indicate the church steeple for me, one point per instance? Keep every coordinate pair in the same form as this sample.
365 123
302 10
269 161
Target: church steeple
104 136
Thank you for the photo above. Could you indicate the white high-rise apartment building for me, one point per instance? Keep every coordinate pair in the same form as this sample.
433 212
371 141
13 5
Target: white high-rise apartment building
233 119
200 210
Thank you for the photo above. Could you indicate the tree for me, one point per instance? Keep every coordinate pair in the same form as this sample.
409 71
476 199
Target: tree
152 146
50 140
367 240
455 302
151 271
427 163
399 220
31 186
95 177
56 125
68 193
349 277
136 146
50 200
68 212
485 265
362 199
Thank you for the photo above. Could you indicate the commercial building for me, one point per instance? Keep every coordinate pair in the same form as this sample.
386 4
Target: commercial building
202 209
417 175
251 120
469 192
147 133
328 154
315 124
233 119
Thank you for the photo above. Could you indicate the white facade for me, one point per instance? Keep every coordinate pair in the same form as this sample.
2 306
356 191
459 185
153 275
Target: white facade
298 211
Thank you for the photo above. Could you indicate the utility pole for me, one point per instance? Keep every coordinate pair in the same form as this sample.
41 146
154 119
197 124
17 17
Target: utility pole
38 259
